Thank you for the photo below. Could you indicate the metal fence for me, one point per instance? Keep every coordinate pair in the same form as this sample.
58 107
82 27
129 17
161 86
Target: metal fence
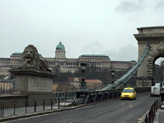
91 96
12 107
149 116
63 96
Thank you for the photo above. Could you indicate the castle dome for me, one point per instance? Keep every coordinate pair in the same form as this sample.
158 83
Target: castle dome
60 46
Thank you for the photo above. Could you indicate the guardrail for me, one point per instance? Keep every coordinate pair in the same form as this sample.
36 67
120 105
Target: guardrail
149 116
63 96
86 97
92 96
142 89
12 107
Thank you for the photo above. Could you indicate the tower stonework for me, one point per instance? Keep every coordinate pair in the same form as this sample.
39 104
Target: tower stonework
154 37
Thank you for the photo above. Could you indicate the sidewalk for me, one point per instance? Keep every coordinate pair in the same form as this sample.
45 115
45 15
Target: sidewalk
159 118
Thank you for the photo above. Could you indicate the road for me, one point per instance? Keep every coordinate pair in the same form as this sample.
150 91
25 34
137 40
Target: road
114 111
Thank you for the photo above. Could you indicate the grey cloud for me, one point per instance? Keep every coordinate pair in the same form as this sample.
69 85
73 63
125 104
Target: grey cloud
159 4
92 47
128 52
129 6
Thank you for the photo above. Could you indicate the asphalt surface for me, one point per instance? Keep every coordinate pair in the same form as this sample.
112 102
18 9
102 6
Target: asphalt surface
114 111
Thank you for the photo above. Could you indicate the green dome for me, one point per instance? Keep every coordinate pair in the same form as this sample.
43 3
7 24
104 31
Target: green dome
60 46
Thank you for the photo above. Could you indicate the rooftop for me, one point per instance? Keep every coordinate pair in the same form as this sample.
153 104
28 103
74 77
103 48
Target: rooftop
93 55
60 46
151 30
17 53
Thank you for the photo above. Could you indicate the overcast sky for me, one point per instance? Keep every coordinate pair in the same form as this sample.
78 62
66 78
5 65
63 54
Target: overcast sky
83 26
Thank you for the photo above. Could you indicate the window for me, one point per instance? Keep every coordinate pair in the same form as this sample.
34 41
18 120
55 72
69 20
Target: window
127 90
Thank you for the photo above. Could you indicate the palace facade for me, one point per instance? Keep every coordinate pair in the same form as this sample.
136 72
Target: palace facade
63 64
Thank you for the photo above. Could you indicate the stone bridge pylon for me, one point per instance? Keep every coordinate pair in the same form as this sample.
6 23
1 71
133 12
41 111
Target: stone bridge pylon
154 37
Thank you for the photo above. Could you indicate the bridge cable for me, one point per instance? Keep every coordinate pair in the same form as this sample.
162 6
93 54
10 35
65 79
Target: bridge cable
119 82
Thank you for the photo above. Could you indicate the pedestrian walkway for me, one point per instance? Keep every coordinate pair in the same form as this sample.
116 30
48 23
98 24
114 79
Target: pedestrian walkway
159 118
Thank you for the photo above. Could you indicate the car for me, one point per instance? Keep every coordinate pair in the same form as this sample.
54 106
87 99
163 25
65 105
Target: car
128 93
156 89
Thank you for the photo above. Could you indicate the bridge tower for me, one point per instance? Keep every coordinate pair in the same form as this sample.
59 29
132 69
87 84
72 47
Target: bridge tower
154 37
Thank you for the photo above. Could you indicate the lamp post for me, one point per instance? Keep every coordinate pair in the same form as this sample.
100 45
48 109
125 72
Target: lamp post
112 73
83 91
143 83
83 87
133 81
72 72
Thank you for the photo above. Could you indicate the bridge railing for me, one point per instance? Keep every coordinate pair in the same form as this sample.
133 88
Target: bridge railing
13 107
85 97
63 96
149 116
142 89
91 96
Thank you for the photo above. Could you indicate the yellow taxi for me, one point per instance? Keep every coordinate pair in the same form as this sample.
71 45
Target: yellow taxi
128 93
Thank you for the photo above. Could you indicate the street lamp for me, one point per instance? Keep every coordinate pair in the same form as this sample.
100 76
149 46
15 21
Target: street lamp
112 72
82 93
143 83
133 80
72 72
83 87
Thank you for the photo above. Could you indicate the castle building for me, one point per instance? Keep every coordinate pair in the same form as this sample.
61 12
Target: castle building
122 65
72 64
63 64
4 66
91 84
6 86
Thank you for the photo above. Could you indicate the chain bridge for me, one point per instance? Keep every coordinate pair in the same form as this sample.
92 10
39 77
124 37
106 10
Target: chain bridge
150 48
